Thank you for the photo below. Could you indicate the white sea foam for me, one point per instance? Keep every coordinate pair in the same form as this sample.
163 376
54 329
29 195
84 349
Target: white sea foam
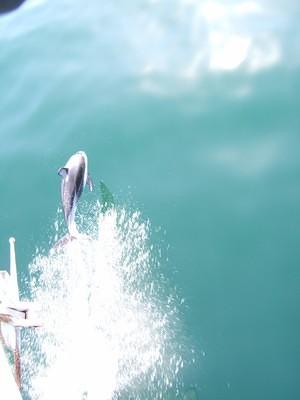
110 325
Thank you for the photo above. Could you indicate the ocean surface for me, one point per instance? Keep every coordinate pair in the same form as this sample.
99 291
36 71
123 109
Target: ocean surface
189 113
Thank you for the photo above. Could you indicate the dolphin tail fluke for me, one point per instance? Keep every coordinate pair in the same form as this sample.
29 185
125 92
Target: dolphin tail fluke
72 228
63 241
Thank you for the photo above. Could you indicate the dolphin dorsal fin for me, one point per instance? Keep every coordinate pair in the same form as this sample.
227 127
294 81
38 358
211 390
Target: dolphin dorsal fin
63 171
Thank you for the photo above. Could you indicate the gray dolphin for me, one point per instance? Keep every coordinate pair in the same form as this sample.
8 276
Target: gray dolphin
74 178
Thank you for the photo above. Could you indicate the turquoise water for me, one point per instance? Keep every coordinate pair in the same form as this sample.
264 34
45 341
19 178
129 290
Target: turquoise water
189 112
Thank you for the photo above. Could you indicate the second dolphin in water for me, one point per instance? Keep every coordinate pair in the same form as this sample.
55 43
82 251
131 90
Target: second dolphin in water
74 178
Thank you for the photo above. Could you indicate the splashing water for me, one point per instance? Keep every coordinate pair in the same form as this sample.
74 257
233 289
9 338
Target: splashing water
110 327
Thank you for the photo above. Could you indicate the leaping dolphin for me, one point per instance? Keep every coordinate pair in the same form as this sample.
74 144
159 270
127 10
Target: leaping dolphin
74 178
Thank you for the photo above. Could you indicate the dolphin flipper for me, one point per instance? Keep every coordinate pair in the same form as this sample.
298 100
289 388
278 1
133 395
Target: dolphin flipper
63 171
90 183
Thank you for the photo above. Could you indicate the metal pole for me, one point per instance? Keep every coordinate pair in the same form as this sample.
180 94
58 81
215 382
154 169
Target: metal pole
15 293
13 270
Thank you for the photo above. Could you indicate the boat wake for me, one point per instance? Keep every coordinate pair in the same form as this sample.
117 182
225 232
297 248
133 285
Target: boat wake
111 328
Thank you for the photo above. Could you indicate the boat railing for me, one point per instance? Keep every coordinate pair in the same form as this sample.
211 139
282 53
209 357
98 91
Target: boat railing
14 315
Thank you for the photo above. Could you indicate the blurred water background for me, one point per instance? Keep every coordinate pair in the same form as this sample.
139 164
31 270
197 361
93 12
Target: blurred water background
188 111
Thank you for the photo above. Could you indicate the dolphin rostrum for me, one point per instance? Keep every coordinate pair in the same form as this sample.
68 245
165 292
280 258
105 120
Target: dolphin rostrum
74 178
